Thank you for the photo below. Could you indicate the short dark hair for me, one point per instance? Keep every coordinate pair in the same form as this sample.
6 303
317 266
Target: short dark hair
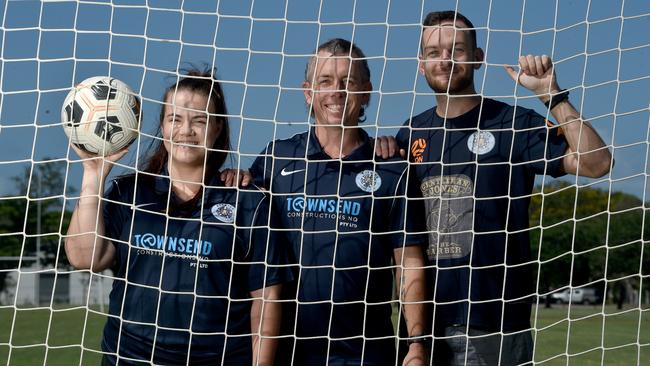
339 46
437 17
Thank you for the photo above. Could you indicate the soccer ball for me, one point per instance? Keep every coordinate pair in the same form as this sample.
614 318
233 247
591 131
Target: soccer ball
101 115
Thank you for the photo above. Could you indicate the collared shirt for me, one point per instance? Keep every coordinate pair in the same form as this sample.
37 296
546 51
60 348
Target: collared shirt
184 282
343 218
476 174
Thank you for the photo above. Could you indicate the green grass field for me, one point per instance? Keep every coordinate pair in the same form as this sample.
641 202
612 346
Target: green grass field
585 336
61 330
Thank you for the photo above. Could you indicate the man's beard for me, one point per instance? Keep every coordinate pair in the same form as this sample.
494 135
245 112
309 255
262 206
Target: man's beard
457 84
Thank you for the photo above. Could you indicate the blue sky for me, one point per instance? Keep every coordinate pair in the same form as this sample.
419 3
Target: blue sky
260 48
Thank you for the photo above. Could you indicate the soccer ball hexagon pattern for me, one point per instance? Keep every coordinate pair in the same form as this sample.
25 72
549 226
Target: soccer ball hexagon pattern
101 115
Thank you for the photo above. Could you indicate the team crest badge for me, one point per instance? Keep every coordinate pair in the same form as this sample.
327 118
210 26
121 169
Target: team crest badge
481 142
224 212
368 181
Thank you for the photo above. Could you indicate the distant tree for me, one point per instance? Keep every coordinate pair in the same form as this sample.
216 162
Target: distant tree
12 212
582 235
43 185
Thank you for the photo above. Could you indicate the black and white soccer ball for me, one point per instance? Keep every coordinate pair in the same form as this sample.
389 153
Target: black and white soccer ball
101 115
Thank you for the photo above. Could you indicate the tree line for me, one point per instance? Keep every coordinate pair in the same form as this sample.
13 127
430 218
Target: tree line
19 219
588 237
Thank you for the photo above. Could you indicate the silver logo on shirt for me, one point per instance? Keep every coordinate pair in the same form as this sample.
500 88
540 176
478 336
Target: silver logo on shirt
224 212
481 142
368 181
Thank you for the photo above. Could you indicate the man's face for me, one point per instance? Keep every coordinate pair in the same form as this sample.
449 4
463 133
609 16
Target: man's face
445 62
337 91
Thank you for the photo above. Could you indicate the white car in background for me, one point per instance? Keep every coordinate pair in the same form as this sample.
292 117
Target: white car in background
583 295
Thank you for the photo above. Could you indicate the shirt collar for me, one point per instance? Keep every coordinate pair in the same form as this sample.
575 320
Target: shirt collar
315 150
161 181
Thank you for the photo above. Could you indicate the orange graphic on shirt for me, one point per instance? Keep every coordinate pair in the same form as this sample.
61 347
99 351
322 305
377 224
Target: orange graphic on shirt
417 148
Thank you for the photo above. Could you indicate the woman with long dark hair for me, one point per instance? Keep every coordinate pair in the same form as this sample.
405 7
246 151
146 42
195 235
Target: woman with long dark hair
190 256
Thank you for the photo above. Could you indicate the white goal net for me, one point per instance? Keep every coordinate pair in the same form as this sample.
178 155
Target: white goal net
587 236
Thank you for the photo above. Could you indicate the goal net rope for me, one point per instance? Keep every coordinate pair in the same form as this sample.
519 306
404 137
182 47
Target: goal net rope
587 236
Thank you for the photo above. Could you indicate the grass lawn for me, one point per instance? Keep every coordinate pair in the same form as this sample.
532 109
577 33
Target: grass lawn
587 335
580 335
43 336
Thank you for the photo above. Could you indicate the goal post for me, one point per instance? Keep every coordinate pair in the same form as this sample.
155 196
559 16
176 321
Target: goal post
588 237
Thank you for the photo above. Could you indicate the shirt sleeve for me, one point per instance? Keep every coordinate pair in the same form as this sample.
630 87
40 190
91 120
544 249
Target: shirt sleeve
267 255
262 168
541 145
407 213
117 213
403 136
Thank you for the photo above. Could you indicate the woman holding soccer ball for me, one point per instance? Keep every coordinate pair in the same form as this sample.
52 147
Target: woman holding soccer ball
191 279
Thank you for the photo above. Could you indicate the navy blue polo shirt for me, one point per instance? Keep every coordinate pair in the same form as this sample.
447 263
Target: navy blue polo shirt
344 218
476 173
183 283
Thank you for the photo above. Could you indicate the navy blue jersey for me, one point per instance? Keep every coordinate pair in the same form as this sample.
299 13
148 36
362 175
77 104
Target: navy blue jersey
344 219
476 173
183 283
